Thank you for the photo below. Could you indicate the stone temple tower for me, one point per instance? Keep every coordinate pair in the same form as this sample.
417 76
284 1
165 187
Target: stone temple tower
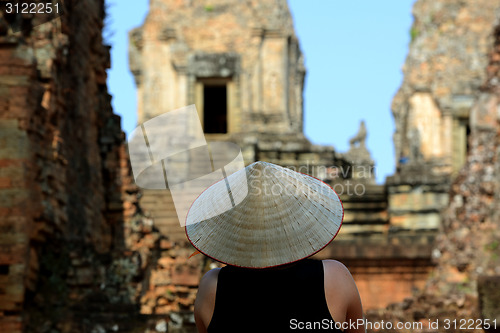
239 62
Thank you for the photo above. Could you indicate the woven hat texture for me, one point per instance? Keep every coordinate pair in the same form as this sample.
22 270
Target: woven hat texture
284 217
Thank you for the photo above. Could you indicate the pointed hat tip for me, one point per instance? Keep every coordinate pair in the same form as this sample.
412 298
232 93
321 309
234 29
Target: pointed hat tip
259 165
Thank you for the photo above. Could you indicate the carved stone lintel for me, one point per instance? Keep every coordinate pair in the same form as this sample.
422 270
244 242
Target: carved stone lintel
214 64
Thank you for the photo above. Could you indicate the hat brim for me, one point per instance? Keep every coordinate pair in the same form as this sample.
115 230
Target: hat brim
286 216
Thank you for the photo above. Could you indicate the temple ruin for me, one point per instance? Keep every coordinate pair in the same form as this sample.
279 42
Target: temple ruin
62 176
240 63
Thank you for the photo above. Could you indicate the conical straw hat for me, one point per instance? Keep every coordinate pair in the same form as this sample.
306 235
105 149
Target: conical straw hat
284 217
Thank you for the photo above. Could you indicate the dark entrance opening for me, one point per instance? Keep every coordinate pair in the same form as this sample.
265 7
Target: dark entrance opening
215 108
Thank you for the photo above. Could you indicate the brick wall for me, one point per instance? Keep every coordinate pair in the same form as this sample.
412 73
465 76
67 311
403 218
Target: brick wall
61 150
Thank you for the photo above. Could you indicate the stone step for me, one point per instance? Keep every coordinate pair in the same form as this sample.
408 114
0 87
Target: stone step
359 229
372 205
365 217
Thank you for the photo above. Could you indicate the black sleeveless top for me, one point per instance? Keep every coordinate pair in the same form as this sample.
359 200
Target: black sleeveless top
281 299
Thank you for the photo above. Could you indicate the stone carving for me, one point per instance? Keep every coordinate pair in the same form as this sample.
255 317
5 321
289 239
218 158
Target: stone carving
360 137
359 156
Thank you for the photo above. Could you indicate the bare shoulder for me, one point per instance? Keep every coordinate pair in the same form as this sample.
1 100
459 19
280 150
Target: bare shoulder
207 288
338 279
337 269
205 299
342 295
209 280
334 264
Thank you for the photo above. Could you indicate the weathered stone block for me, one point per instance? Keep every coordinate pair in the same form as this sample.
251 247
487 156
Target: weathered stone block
417 201
14 80
185 276
11 324
13 141
308 158
488 288
161 277
415 221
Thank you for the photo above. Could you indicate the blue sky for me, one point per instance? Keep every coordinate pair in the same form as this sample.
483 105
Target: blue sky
354 51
